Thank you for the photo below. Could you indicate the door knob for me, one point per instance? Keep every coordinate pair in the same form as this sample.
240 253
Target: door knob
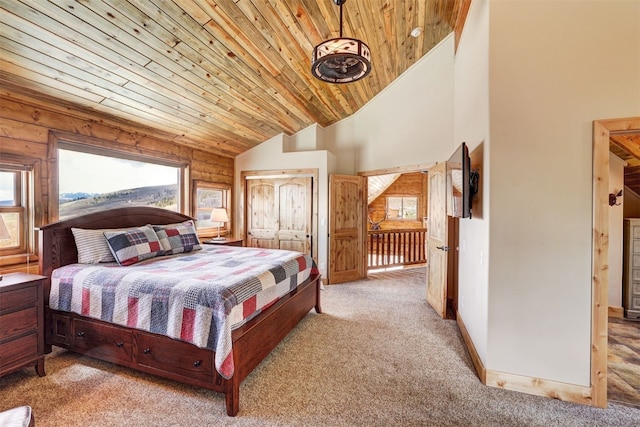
443 248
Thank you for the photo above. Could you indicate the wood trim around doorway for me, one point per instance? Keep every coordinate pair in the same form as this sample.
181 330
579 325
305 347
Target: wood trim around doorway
602 131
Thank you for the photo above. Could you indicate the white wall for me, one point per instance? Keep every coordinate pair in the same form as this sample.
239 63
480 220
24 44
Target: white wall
471 125
616 183
408 123
555 66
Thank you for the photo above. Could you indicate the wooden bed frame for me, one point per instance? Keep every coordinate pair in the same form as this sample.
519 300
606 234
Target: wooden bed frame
153 353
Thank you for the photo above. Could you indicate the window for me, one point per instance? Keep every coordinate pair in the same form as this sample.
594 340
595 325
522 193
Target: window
14 197
206 197
402 208
92 179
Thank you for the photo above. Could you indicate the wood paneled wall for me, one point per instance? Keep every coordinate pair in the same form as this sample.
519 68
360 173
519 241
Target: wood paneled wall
408 184
26 123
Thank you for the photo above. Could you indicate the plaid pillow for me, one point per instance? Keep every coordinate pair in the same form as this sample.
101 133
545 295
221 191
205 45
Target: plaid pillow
178 238
134 245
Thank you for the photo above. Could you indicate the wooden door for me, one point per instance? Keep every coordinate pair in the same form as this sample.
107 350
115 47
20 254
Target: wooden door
346 228
279 213
294 213
437 239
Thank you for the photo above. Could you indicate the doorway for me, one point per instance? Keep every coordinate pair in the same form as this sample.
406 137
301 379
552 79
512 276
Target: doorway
623 361
396 215
603 131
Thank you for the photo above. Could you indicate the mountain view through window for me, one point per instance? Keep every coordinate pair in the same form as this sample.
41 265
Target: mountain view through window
91 182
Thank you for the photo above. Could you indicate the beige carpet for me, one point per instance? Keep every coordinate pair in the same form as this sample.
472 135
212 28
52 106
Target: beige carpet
378 357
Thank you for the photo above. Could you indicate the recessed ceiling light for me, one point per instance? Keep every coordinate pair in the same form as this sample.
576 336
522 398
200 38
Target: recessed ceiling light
416 32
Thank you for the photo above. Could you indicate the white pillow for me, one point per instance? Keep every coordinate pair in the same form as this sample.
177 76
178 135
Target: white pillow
92 246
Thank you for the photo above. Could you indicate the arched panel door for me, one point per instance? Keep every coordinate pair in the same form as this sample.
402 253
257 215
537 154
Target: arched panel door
279 213
346 228
437 238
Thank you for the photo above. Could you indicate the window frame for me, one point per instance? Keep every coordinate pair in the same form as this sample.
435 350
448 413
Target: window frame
27 190
114 149
402 209
18 207
226 203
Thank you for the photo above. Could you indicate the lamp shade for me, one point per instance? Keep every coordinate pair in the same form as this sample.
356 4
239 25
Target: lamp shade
4 232
341 60
219 215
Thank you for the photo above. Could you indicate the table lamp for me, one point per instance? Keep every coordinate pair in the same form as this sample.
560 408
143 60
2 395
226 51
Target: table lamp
219 215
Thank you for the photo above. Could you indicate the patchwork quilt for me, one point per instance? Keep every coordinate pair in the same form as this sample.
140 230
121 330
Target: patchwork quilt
198 297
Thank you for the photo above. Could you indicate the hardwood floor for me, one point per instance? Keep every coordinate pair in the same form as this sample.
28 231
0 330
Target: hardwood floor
623 383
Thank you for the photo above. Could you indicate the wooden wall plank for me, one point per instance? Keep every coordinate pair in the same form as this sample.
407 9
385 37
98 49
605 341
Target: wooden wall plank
408 184
25 129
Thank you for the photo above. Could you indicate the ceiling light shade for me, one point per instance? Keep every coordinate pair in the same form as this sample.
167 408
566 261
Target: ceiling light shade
416 32
341 60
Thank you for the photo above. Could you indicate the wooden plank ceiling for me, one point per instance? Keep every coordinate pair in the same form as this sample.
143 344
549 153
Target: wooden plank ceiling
215 74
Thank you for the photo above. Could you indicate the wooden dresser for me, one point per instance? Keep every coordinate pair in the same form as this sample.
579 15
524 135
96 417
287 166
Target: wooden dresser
21 323
631 268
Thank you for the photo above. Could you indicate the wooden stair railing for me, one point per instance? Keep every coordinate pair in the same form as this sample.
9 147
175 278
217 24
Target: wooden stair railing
389 248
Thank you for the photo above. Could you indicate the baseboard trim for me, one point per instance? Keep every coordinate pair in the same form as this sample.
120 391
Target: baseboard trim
521 383
540 387
475 358
616 312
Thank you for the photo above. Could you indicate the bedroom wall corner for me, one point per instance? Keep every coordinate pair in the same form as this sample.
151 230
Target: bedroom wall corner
471 125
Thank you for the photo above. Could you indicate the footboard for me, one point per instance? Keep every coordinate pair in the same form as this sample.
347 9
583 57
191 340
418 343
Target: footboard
181 361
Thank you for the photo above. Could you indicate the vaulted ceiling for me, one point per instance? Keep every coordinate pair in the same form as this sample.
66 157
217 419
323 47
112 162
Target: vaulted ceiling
215 74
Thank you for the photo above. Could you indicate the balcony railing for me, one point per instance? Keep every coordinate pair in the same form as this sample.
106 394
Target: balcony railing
390 248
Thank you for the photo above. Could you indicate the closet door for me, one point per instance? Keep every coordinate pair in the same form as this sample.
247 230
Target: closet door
279 213
294 213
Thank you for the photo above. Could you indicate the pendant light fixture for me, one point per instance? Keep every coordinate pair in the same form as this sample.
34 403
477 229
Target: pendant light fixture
341 60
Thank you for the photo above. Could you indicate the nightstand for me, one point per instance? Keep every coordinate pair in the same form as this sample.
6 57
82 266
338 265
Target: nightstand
226 242
21 323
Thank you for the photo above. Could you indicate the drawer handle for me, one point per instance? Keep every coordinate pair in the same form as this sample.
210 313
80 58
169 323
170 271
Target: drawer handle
146 351
120 344
80 334
197 363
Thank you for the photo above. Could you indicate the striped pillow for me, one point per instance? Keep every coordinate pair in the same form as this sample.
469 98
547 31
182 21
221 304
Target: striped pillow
178 238
92 246
134 245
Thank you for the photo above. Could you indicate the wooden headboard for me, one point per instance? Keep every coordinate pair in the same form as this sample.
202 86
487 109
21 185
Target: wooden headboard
58 247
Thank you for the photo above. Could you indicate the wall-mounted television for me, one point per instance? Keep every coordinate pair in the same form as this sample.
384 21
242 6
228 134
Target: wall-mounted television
462 183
